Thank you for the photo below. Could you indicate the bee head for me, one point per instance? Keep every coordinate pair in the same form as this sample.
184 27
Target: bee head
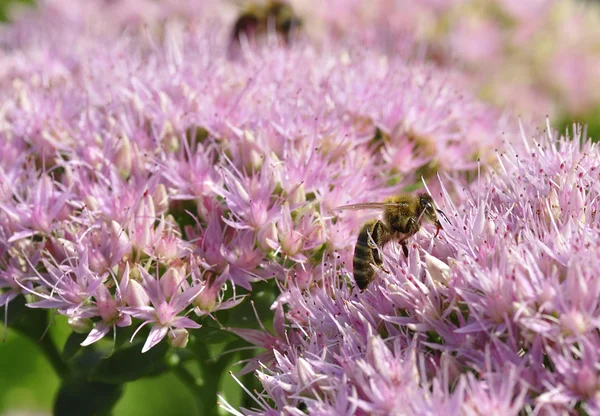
428 211
426 208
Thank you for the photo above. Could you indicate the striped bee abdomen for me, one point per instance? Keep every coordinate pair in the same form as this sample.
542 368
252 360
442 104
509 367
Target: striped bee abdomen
366 252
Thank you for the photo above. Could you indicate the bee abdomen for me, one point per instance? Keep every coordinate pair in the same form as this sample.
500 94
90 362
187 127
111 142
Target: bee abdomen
363 273
366 254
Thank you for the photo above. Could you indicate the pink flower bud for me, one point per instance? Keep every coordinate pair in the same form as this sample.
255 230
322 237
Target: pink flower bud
80 325
123 157
161 198
136 295
143 224
107 309
573 323
97 262
123 320
119 242
297 196
207 299
170 282
168 138
258 214
440 272
167 248
267 237
91 202
179 337
304 277
291 242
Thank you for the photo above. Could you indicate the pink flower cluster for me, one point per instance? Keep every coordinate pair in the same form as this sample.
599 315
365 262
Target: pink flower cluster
143 173
498 315
539 56
149 178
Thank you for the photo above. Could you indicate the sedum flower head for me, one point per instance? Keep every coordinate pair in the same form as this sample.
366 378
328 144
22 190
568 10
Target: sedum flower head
135 191
497 315
538 57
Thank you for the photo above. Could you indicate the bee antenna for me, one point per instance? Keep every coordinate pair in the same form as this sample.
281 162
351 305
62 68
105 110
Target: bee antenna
420 216
439 211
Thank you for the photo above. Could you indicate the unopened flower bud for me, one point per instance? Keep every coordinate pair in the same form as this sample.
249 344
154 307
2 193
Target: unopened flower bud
91 202
440 272
120 242
179 337
168 139
258 214
123 320
303 278
144 223
298 195
136 295
170 282
291 242
96 261
161 198
317 235
573 323
80 325
255 158
206 299
167 248
267 237
123 157
306 375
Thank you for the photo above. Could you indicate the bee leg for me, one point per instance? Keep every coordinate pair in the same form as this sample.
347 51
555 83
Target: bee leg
376 245
412 226
404 248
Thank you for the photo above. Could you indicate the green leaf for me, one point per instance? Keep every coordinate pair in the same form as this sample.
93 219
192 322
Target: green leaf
81 397
124 335
30 322
73 345
180 209
209 335
263 295
129 364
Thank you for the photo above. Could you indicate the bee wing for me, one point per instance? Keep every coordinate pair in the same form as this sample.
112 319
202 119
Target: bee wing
365 205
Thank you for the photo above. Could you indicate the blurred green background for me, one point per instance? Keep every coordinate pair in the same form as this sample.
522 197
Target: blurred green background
28 383
5 3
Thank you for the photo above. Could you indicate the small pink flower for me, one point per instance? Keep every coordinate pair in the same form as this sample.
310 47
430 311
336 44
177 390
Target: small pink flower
162 313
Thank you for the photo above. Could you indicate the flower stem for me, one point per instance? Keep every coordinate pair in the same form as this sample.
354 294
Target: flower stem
192 383
249 380
54 357
205 390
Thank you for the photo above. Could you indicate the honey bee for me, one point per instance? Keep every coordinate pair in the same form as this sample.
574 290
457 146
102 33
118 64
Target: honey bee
258 18
402 218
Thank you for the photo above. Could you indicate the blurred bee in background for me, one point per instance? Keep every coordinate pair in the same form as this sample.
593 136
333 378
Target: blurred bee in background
402 218
258 18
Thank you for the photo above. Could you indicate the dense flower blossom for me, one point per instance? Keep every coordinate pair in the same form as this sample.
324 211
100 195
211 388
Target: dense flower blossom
138 190
537 56
150 178
497 315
